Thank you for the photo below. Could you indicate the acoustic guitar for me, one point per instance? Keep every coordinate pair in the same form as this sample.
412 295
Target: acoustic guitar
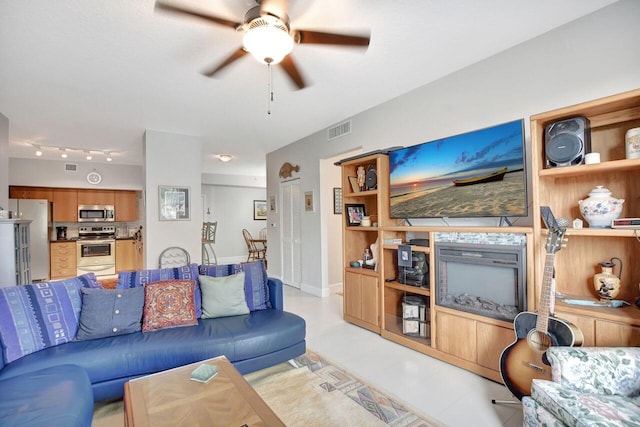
525 359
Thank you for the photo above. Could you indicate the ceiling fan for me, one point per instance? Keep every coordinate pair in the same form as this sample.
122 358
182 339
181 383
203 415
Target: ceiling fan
268 36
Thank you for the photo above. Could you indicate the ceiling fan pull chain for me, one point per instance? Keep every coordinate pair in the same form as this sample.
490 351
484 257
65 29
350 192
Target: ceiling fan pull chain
269 88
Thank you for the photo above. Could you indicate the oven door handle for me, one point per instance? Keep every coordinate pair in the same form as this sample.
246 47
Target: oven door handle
95 242
94 268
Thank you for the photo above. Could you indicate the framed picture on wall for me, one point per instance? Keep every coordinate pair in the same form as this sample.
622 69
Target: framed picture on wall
309 202
273 204
260 210
173 203
337 200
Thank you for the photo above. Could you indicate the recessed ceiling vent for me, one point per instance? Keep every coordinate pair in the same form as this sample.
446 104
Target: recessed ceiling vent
70 167
339 130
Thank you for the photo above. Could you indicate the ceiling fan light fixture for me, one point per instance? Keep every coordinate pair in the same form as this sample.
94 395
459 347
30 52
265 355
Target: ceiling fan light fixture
224 157
267 39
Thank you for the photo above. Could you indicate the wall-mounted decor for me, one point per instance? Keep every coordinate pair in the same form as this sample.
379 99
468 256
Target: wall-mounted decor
337 201
287 169
260 210
273 204
309 202
354 215
173 203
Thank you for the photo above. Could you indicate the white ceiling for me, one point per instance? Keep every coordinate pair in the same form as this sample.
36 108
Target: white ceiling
94 74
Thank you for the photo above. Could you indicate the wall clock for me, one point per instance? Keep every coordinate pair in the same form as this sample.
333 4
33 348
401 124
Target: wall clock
94 177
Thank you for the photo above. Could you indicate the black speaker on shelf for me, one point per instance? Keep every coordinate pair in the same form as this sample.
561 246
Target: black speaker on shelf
567 141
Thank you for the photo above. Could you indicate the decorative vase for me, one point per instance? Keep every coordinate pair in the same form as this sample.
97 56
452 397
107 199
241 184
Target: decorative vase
600 208
632 143
606 283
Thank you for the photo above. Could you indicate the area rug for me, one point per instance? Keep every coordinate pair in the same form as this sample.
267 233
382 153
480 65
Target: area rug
315 393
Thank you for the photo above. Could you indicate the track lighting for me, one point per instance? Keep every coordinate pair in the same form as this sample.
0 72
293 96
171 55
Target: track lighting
63 153
109 158
38 150
88 155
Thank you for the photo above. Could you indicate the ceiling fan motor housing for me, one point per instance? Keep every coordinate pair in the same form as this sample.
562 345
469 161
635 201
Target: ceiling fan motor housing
267 36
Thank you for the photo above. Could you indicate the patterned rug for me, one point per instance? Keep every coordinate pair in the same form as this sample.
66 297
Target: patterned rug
317 393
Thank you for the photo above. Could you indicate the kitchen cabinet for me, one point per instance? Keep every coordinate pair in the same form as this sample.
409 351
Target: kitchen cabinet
65 205
63 259
126 206
96 197
128 255
20 192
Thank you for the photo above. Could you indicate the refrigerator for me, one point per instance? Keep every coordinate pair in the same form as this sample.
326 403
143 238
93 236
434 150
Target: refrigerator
39 212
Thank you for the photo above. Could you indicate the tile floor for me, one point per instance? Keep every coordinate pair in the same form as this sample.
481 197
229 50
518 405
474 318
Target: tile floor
449 394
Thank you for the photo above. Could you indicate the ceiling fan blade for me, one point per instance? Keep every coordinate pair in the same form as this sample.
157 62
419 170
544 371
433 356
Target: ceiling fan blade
316 37
292 71
275 7
232 58
196 14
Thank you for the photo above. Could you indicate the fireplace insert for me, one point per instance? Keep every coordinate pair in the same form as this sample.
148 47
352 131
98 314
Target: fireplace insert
489 280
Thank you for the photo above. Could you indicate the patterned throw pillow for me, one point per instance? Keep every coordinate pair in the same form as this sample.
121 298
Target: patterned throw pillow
110 312
40 315
255 281
168 304
133 279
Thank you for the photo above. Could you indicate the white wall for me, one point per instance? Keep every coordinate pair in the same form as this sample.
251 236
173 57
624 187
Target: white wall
171 159
4 162
51 173
592 57
232 207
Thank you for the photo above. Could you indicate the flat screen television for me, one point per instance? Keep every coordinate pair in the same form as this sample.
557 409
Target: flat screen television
475 174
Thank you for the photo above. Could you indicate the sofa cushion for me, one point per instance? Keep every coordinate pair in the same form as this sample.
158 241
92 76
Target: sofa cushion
132 279
40 315
107 312
223 296
55 396
585 409
255 281
168 304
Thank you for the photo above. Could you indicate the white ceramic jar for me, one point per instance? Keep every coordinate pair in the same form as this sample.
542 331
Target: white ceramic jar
632 143
600 207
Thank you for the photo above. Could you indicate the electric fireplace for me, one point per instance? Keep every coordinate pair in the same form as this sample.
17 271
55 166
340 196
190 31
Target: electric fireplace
489 280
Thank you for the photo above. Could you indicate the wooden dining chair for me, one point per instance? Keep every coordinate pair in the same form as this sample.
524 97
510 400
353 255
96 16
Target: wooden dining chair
254 253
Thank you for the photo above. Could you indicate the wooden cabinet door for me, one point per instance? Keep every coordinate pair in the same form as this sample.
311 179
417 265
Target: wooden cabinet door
611 334
126 206
456 336
586 325
19 192
65 205
125 255
369 299
492 340
352 295
63 259
96 197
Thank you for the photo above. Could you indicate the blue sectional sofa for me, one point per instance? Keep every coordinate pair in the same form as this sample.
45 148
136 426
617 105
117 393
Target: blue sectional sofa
251 342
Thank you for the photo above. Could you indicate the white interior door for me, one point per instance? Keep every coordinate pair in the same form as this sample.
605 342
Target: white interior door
290 220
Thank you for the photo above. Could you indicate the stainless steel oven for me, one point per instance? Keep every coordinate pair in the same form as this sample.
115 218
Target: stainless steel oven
96 213
96 250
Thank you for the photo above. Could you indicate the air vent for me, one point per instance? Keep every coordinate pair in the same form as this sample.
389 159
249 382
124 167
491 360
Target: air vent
70 167
339 130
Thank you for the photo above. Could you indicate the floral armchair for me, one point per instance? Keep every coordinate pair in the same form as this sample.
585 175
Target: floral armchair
592 386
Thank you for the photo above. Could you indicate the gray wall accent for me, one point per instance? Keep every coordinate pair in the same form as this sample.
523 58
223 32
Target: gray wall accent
4 162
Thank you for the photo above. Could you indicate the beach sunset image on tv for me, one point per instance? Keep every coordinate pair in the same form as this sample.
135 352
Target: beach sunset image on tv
476 174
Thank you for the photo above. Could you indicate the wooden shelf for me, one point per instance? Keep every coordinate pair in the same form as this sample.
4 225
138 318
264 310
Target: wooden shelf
627 314
424 249
598 232
581 170
458 229
393 330
361 270
408 288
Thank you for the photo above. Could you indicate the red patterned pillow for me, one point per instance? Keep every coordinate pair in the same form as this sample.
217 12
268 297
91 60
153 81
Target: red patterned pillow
168 304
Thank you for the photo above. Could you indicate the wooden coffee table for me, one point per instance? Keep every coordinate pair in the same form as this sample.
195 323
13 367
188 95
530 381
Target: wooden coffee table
170 398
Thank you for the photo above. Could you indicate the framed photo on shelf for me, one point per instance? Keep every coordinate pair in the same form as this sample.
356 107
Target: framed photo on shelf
259 210
355 212
309 202
337 201
173 203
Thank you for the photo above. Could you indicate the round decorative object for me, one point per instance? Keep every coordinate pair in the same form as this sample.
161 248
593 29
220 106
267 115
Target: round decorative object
564 149
94 177
600 208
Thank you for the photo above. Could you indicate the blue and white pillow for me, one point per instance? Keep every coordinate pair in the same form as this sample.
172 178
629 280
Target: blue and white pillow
134 279
40 315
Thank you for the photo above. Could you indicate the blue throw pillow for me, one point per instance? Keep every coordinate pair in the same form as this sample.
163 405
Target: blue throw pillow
109 312
40 315
255 281
134 279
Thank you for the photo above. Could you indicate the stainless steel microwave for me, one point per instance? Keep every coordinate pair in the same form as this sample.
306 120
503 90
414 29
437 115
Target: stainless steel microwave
96 213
